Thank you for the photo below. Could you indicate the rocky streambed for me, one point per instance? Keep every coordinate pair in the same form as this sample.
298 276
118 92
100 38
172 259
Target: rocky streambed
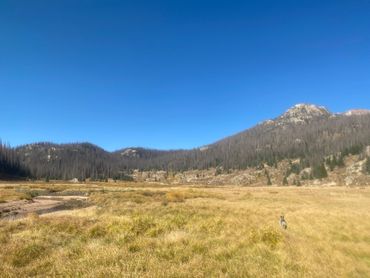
41 205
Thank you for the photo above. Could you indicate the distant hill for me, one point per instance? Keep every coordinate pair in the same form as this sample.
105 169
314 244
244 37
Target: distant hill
66 161
307 132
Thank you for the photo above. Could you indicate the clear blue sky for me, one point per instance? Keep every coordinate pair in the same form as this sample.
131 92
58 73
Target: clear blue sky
174 74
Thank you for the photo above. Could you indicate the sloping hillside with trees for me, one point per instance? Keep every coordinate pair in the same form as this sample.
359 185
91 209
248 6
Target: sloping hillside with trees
310 133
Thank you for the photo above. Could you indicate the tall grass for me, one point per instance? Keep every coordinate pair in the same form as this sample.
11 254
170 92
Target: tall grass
218 232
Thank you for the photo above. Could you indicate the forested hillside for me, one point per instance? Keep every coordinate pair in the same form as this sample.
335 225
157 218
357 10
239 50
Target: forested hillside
308 132
66 161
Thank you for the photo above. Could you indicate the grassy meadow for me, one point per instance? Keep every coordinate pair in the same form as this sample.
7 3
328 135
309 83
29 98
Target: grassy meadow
146 230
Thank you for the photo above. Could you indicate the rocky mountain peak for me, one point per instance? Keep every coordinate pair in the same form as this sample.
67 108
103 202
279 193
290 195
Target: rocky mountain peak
302 113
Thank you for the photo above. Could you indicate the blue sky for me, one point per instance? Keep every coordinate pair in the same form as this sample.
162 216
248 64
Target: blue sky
174 74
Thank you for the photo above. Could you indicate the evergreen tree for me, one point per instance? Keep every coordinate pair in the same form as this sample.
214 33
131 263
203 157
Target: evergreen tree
319 171
340 161
268 178
285 180
367 166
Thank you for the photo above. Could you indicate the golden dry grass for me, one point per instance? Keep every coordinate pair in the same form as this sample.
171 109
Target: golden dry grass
134 231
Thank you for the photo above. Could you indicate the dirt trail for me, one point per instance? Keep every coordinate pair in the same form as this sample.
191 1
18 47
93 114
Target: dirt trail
41 205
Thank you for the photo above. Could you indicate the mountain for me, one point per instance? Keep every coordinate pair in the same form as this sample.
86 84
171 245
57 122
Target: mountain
305 131
302 113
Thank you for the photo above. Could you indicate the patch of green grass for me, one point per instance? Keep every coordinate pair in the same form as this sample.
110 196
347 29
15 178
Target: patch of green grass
27 253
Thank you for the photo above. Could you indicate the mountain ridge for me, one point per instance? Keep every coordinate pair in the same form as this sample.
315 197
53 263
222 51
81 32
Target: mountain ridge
305 131
298 113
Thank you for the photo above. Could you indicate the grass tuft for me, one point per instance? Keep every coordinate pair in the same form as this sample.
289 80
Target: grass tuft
26 254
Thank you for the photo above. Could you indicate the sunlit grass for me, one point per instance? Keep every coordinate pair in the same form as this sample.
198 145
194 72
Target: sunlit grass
195 232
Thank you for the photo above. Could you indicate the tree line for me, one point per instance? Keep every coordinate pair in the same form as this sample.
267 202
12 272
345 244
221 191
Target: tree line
269 143
10 165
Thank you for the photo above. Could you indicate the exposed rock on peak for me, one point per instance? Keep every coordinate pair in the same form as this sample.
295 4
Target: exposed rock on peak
302 113
204 148
357 112
130 153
